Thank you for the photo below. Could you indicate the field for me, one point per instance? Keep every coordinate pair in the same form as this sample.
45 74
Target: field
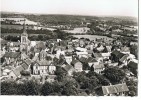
92 37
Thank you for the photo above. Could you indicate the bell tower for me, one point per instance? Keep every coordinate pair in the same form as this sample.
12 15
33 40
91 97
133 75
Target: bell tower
24 39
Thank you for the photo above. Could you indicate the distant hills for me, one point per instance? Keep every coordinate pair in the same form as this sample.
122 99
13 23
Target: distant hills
56 19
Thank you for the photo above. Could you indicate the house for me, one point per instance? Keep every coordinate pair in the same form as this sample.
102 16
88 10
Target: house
82 54
98 57
41 67
116 55
75 44
59 52
133 67
115 64
28 63
69 69
40 45
3 42
77 65
107 49
12 57
98 68
50 78
42 55
51 69
6 71
125 59
106 55
112 90
125 50
90 52
83 59
79 49
92 61
24 56
14 46
81 42
100 48
15 73
68 59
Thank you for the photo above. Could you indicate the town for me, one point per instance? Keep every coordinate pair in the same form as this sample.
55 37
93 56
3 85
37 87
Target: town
96 59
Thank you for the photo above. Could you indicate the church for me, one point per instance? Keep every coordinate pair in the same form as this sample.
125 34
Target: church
25 42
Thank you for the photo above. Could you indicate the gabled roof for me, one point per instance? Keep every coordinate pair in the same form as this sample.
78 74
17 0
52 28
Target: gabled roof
2 41
115 52
114 89
12 54
90 51
63 43
16 43
108 48
24 65
99 66
97 55
118 54
17 70
125 49
41 45
28 61
24 55
132 64
43 63
123 58
68 67
61 61
91 59
83 59
75 61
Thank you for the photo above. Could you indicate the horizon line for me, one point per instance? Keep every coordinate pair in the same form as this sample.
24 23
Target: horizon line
68 14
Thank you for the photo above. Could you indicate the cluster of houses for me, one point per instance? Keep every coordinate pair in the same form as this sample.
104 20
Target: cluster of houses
39 59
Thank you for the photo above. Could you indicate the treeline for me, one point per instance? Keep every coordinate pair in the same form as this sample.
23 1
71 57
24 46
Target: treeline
40 35
29 31
81 82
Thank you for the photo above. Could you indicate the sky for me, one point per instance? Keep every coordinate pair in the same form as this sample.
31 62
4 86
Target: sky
75 7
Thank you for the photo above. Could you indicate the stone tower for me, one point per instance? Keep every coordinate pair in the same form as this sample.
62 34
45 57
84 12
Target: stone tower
24 39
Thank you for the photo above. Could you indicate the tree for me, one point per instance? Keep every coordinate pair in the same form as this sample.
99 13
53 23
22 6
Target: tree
132 85
115 75
61 73
40 37
28 88
47 89
48 58
25 73
70 89
134 50
2 60
8 88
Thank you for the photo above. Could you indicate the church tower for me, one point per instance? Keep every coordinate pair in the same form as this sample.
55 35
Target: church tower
24 39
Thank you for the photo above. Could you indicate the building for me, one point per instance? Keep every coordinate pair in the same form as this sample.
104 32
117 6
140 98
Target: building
69 69
77 65
98 57
116 55
112 90
11 57
41 67
98 68
24 40
92 61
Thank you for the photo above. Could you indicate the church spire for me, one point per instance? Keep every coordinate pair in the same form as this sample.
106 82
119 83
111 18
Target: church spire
24 26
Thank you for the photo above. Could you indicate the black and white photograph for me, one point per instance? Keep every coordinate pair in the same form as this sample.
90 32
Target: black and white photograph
69 48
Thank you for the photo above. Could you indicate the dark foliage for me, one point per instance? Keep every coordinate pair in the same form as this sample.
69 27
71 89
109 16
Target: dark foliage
115 75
